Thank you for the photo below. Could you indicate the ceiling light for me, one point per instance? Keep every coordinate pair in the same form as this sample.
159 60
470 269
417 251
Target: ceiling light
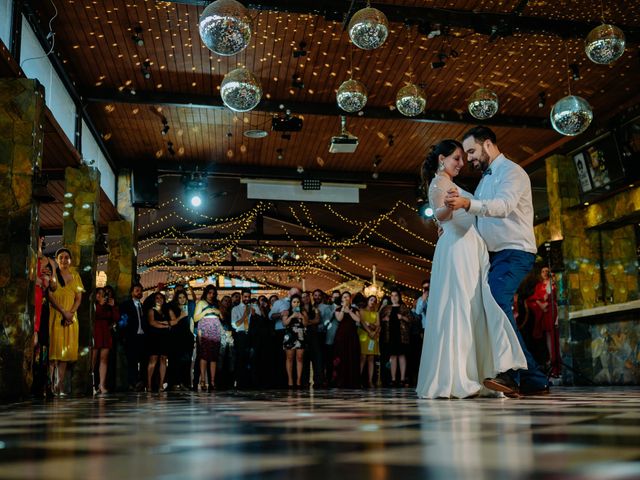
137 37
146 73
296 81
542 99
301 51
196 200
165 126
255 133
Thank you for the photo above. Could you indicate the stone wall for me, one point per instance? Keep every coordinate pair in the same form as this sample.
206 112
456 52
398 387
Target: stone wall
21 137
605 352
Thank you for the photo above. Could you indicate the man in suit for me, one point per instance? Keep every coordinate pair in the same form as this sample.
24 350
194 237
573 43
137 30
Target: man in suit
504 208
133 319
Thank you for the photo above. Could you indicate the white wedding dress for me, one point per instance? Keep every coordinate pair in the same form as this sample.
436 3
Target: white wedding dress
467 336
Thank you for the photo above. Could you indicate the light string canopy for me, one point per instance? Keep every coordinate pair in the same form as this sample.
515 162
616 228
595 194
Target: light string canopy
190 258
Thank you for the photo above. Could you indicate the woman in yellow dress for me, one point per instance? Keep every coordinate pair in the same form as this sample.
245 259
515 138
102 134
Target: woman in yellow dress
369 333
63 321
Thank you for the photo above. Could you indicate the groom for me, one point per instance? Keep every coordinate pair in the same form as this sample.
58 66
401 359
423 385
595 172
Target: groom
504 207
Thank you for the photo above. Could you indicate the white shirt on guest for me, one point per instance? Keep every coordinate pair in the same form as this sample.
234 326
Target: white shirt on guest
238 311
504 206
279 306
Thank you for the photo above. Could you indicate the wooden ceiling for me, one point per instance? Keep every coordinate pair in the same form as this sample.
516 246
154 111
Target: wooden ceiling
94 39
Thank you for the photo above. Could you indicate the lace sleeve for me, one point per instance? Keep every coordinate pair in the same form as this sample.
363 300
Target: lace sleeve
437 192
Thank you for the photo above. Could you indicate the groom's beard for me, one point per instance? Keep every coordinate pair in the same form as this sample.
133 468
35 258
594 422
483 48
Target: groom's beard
483 161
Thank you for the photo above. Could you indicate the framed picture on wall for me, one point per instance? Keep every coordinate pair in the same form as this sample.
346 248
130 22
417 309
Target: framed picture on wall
583 173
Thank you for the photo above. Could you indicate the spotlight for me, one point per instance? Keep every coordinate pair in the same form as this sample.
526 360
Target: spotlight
296 81
165 127
301 51
137 36
279 151
377 160
542 99
425 210
196 200
170 148
575 71
195 186
375 175
146 73
300 169
441 61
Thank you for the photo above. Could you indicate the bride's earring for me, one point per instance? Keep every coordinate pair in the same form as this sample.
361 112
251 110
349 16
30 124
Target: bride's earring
441 167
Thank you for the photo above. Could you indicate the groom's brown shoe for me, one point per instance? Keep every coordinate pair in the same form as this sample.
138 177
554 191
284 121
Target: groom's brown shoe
502 383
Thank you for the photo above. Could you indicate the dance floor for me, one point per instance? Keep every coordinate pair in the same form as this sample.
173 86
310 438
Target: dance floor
574 433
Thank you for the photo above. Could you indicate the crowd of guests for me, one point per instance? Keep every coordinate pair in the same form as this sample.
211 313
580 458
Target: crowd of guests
239 341
218 341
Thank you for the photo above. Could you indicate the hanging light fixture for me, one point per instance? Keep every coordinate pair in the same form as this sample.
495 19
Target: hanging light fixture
571 115
483 104
352 94
604 44
410 99
368 28
225 27
240 90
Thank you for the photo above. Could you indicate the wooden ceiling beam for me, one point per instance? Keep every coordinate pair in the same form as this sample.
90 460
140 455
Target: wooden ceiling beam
486 23
189 100
172 167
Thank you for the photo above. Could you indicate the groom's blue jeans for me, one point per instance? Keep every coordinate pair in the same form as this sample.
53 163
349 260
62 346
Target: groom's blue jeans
508 269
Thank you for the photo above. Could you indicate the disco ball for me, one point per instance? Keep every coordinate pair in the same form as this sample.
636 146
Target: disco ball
571 115
368 28
240 90
352 96
411 100
604 44
483 104
225 27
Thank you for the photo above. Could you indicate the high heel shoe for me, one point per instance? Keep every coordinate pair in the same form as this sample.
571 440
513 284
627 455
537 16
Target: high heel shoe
202 387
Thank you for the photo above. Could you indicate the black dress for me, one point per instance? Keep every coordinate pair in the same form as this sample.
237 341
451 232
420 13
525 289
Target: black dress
159 338
346 349
396 347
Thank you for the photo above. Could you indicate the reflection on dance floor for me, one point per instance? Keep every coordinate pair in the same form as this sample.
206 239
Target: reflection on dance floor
387 434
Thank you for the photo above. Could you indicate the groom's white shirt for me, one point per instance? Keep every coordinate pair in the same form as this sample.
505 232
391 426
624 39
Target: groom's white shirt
504 207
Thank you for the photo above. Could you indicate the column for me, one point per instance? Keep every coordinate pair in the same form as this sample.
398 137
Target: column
121 266
79 232
21 137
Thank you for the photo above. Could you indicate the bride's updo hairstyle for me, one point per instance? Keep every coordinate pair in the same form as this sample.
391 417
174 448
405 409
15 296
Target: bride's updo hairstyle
430 165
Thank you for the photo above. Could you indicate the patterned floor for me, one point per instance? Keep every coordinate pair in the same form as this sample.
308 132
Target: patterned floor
574 433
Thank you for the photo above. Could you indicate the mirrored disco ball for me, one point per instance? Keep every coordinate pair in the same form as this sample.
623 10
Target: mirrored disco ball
411 100
368 28
351 96
604 44
571 115
225 27
483 104
240 90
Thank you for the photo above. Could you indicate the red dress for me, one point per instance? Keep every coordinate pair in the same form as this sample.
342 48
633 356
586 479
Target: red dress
106 315
38 300
545 321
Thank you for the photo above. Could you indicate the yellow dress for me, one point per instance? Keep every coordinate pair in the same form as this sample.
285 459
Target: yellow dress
368 346
63 341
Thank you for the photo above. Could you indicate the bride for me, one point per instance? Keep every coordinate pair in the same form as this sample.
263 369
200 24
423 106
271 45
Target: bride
468 337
